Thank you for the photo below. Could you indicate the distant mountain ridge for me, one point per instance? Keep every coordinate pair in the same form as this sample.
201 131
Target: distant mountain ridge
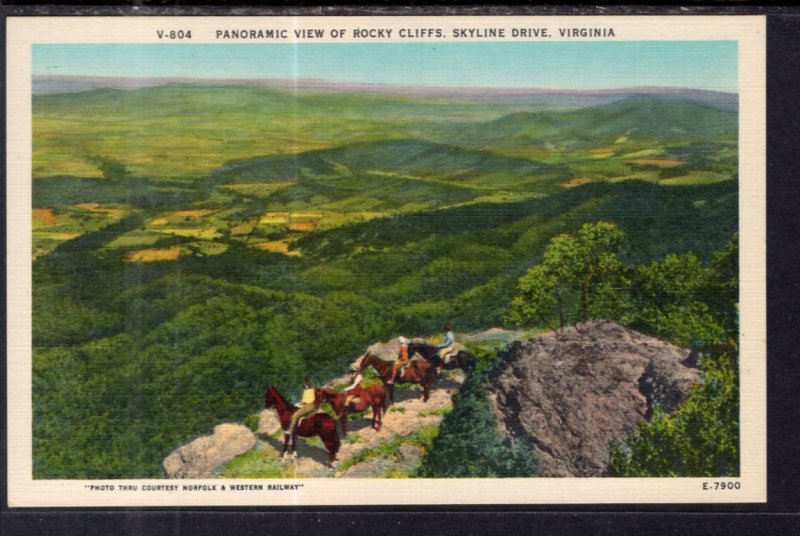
47 84
637 115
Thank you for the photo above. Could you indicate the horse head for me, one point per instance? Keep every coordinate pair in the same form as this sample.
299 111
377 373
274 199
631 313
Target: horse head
466 361
271 397
358 363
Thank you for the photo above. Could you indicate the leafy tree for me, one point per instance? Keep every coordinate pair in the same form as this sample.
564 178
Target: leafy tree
700 438
576 269
721 292
668 299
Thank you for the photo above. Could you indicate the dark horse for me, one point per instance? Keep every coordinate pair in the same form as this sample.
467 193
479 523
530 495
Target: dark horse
418 371
462 359
320 424
373 396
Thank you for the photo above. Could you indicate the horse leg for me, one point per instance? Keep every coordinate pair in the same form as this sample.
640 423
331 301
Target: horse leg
330 438
294 445
286 437
343 422
376 417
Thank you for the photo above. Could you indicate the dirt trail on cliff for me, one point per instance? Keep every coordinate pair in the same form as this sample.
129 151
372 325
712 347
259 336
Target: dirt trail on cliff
375 457
408 414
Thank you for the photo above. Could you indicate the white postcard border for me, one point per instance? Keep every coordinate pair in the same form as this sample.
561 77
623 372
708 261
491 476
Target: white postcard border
23 491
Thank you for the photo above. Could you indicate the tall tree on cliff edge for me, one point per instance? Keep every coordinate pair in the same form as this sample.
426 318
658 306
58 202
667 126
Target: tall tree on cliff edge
577 278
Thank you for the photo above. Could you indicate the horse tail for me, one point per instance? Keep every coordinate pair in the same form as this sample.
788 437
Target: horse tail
330 437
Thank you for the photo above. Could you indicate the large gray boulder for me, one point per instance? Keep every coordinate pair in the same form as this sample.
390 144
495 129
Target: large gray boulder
198 458
571 395
387 351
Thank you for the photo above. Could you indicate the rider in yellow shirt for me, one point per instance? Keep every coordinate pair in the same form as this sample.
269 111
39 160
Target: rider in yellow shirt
308 406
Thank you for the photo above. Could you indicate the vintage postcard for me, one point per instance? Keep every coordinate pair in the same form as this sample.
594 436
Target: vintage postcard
282 261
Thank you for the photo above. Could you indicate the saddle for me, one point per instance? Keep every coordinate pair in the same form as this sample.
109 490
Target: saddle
449 355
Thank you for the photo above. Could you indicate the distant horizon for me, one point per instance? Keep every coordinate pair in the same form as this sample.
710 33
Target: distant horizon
138 82
559 65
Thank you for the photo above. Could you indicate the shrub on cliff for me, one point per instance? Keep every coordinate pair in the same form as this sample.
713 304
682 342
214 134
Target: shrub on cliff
468 444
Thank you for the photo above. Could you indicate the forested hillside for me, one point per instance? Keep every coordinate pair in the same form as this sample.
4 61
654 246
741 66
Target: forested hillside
194 244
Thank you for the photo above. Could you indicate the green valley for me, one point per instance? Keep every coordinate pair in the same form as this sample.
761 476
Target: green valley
194 243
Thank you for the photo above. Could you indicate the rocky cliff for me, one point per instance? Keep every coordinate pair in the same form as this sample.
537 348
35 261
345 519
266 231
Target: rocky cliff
571 395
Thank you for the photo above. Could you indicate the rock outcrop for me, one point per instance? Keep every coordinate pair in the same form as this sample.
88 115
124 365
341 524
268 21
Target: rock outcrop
571 395
197 458
268 422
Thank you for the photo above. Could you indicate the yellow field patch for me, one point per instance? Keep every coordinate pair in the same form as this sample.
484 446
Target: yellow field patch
309 215
274 246
208 233
274 218
45 216
602 155
100 209
55 236
193 213
643 153
159 221
153 254
88 206
244 228
695 177
649 176
48 165
303 227
272 221
662 163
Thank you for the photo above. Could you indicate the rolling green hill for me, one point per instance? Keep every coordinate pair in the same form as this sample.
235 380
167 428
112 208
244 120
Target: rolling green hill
187 130
195 243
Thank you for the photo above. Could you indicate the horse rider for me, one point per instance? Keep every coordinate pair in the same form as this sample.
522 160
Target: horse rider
308 406
448 345
353 391
402 359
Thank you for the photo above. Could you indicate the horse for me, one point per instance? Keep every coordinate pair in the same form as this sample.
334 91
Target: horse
461 359
319 424
373 396
418 371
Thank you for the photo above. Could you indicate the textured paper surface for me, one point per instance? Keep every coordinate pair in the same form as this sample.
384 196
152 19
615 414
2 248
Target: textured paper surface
747 32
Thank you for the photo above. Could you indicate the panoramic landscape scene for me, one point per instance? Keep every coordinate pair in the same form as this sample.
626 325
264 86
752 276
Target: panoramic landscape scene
214 225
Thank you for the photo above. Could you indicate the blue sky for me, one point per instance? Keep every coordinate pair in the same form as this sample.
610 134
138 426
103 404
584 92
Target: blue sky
556 64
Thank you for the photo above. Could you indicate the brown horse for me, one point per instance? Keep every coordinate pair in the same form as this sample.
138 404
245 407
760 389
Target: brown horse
418 371
316 425
373 396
